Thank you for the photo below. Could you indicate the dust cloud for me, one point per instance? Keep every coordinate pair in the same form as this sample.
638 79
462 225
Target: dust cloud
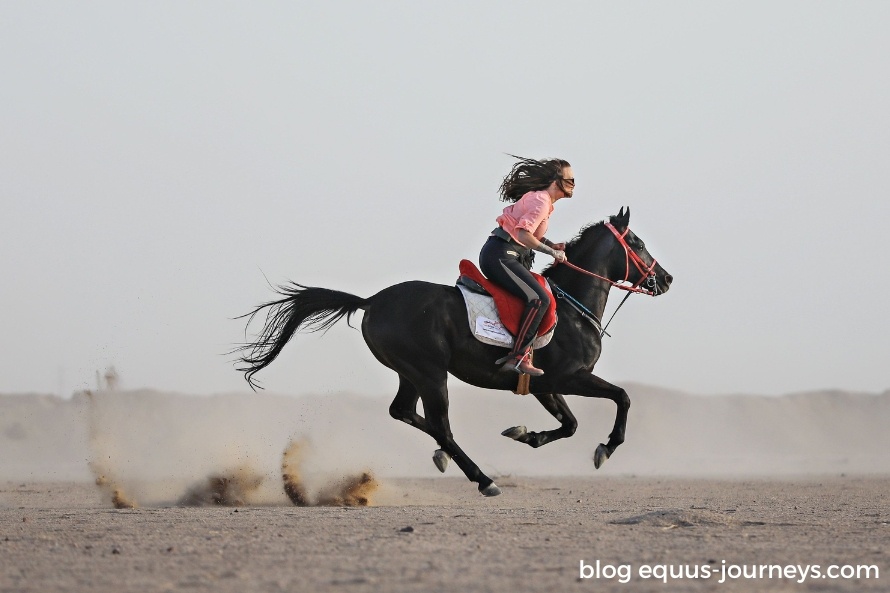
291 474
145 448
111 489
152 448
101 463
351 491
233 489
355 490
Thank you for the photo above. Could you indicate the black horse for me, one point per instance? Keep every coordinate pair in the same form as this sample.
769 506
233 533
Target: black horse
420 331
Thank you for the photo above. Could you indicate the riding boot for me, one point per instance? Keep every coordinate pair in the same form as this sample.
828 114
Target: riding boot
520 362
518 359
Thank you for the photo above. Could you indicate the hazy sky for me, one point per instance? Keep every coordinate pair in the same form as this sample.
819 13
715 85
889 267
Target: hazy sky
158 158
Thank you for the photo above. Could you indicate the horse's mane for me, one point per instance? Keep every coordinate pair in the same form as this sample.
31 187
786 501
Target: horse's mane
572 243
577 238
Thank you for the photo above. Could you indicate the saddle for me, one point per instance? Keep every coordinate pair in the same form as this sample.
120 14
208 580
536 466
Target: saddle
509 306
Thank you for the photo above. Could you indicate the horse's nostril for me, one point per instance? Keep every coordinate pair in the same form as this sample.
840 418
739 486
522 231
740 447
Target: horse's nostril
668 279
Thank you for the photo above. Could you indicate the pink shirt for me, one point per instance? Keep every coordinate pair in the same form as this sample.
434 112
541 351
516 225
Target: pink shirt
530 212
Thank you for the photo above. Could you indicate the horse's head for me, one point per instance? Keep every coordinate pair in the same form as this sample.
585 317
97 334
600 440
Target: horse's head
631 262
609 250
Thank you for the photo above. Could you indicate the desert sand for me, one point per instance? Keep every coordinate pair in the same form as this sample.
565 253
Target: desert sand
706 489
439 535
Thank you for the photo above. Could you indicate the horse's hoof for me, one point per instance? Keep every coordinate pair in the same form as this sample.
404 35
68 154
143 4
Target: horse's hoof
441 459
600 456
490 490
515 433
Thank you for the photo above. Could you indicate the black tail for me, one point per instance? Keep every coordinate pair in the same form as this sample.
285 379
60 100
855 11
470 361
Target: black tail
303 307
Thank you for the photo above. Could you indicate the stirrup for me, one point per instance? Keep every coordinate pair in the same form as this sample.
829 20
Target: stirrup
504 359
519 363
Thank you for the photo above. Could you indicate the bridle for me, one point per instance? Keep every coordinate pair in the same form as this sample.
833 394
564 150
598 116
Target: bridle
647 278
647 283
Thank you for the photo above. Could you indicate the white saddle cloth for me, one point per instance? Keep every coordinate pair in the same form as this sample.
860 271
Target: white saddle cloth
486 324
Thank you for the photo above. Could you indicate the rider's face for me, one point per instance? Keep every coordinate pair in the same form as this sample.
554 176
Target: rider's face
567 187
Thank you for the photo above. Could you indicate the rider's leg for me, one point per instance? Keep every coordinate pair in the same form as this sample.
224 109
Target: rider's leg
499 261
518 358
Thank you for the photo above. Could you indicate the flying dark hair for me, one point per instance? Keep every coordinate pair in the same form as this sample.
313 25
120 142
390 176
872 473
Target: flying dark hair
530 175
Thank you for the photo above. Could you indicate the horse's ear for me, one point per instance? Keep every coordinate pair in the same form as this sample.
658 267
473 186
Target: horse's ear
622 219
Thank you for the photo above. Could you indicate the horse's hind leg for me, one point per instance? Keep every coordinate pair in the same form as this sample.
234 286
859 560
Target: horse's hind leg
557 406
435 406
436 424
404 408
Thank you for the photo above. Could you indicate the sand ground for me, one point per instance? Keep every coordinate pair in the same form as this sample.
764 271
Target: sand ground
440 535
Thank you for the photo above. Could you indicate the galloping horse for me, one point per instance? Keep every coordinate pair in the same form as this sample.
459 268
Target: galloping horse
420 330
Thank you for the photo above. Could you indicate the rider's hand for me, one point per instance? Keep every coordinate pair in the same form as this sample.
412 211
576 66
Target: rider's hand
559 255
559 246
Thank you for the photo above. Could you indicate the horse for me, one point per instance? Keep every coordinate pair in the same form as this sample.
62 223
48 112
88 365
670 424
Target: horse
420 330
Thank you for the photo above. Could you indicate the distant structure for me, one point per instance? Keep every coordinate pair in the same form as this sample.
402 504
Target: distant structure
112 380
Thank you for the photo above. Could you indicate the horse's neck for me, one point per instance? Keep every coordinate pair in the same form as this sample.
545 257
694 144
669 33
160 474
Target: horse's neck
598 298
592 292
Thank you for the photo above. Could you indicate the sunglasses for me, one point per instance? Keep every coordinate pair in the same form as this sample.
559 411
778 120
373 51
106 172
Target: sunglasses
569 180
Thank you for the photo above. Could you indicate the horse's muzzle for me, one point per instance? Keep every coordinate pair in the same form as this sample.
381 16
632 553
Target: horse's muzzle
658 283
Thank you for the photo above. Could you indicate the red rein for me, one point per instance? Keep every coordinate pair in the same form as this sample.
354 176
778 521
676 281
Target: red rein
629 256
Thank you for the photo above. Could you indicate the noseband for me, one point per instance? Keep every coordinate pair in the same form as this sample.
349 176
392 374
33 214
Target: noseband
645 285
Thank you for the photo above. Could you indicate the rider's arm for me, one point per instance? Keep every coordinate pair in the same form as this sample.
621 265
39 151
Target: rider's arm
528 240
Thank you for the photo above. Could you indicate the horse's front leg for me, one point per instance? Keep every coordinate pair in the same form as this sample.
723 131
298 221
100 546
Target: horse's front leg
559 409
587 385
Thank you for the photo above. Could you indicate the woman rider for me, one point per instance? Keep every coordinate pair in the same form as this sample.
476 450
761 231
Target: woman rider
506 258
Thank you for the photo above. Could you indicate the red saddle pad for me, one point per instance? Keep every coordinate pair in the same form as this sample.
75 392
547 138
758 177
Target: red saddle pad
510 307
